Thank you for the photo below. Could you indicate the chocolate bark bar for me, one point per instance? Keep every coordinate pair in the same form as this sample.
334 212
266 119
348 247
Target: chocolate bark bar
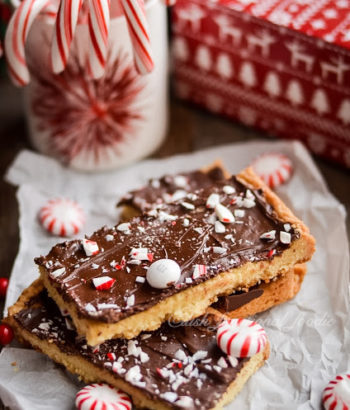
177 366
250 236
169 188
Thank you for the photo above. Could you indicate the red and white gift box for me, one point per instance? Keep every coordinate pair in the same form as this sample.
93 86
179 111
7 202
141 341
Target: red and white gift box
282 66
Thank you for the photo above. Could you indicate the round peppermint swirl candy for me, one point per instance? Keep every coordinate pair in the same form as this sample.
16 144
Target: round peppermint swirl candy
62 217
241 337
100 396
273 168
336 396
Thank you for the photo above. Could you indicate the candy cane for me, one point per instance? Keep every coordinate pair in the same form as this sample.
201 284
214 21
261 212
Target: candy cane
98 31
65 25
15 38
138 29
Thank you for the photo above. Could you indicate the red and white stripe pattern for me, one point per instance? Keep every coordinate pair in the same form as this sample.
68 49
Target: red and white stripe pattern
103 282
62 217
49 13
16 35
241 337
98 31
90 247
64 29
100 396
137 24
273 168
336 396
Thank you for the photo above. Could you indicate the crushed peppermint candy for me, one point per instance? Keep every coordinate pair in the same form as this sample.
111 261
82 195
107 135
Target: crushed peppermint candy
103 282
269 236
184 401
90 308
219 227
248 203
130 301
140 279
233 360
179 194
213 200
111 356
187 205
133 375
228 189
285 237
164 217
181 355
169 396
90 247
141 254
102 306
200 355
222 363
134 262
239 213
186 222
287 227
219 249
124 227
58 272
180 181
199 270
109 238
224 214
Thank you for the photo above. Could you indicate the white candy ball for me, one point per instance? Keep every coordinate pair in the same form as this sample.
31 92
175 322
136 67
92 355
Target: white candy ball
163 273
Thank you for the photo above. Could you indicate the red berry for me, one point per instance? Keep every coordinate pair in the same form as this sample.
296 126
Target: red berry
4 282
6 334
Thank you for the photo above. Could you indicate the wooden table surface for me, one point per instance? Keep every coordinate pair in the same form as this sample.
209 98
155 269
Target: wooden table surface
190 129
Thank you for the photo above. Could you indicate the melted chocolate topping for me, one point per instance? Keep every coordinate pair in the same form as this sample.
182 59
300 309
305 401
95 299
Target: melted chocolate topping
170 187
184 231
178 363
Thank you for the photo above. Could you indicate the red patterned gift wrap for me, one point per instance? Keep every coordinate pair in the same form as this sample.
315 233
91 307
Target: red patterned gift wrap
282 66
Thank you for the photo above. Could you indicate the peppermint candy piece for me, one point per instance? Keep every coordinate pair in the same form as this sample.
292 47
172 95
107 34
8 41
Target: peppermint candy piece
273 168
337 393
90 247
212 201
103 282
163 273
62 217
241 337
224 214
102 396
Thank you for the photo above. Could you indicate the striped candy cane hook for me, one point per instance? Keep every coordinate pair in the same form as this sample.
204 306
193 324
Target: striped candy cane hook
16 35
136 19
64 29
98 31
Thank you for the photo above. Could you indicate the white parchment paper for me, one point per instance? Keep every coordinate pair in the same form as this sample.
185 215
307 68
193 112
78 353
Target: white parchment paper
310 335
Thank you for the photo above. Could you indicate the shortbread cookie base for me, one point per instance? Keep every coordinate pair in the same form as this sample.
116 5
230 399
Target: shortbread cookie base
89 372
193 301
276 292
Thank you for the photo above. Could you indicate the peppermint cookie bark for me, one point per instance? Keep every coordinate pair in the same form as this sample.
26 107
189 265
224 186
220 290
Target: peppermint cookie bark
229 235
177 366
169 188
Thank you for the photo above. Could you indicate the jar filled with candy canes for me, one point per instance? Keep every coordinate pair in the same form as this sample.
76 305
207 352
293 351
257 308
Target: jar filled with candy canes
94 75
